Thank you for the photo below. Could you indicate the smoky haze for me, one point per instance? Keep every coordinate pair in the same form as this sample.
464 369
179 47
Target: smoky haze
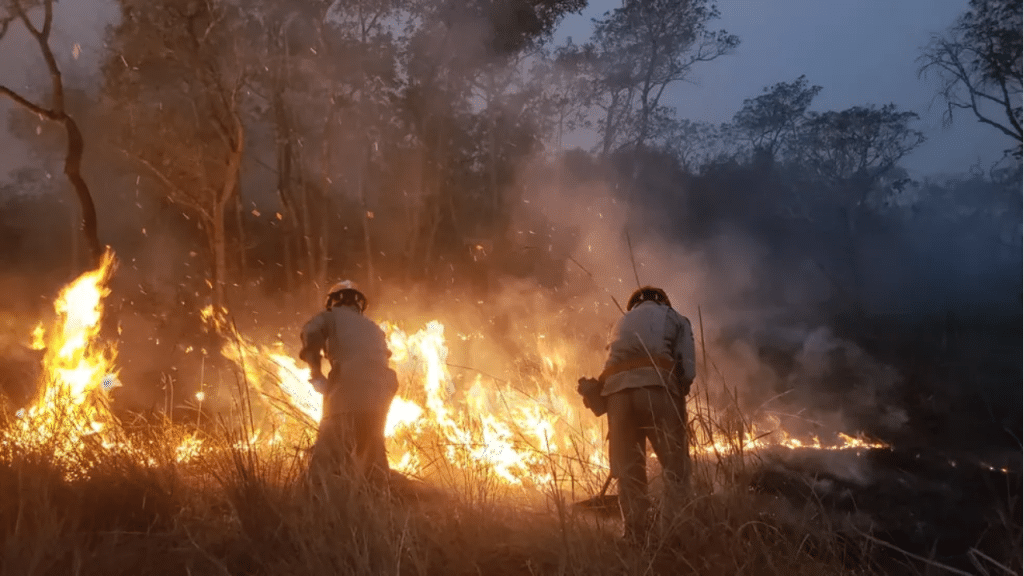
428 172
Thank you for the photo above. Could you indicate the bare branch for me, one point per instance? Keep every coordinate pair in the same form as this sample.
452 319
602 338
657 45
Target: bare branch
47 19
4 23
166 181
50 114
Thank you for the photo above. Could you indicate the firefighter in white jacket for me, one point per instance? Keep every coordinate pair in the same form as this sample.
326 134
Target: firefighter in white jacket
650 366
357 391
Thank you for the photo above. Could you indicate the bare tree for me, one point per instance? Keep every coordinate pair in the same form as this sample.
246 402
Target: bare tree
16 10
978 63
177 75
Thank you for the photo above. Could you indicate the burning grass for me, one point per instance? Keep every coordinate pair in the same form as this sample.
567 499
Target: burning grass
491 472
238 510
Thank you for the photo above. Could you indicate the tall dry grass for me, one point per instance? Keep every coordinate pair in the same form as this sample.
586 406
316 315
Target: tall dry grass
241 509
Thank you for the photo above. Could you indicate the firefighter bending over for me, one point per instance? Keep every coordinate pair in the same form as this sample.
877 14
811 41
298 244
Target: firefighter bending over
357 391
643 388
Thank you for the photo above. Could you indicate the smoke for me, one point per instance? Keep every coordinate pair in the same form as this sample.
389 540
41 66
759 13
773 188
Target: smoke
567 266
549 288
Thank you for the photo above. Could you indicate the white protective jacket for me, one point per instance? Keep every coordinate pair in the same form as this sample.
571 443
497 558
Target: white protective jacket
649 330
360 378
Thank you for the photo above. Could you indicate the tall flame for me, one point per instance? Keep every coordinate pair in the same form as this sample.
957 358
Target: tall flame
71 406
527 434
491 428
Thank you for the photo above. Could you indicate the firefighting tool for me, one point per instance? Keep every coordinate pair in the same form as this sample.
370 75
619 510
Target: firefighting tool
603 503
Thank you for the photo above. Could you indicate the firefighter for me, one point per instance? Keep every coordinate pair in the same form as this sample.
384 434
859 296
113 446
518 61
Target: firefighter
643 388
357 391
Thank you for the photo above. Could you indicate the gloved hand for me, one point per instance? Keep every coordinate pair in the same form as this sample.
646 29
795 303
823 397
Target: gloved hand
590 390
319 384
684 387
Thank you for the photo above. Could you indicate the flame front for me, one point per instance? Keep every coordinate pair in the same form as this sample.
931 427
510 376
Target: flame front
487 429
483 429
72 405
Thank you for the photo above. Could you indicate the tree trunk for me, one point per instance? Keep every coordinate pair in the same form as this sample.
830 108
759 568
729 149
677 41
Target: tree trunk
73 170
284 186
57 112
219 255
609 125
493 168
429 241
308 246
287 237
227 192
326 185
367 239
74 269
243 264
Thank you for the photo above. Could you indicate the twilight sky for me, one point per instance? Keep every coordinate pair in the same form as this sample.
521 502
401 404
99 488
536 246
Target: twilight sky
860 52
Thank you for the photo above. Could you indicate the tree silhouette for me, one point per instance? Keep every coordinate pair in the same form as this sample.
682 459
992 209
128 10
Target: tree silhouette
859 144
771 122
177 72
978 62
17 10
637 51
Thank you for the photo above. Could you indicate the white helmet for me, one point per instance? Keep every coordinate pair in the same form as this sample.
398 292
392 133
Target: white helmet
345 293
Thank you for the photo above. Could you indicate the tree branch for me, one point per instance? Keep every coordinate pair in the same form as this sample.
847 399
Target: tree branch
47 20
50 114
5 23
42 38
203 213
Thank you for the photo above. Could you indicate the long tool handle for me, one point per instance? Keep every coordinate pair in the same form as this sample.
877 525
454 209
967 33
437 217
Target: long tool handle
605 487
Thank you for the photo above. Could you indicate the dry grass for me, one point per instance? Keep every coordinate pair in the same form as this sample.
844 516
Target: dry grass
248 511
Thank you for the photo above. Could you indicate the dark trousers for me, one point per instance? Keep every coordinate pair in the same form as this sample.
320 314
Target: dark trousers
352 444
636 415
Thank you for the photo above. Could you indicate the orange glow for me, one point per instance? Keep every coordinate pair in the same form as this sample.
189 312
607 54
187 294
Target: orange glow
527 433
78 371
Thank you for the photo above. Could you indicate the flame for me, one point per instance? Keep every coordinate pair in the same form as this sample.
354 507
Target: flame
489 428
294 381
189 448
38 337
528 434
78 371
403 413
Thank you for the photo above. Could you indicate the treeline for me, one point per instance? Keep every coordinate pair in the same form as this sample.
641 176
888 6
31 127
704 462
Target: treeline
386 140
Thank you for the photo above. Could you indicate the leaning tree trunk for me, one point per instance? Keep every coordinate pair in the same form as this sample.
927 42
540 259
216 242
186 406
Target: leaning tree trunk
367 237
57 113
228 190
73 170
219 254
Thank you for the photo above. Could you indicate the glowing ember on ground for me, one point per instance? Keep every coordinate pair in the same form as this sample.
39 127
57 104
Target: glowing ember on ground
190 447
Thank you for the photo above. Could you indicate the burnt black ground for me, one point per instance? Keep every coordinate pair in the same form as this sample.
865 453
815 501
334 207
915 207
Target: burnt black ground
938 505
